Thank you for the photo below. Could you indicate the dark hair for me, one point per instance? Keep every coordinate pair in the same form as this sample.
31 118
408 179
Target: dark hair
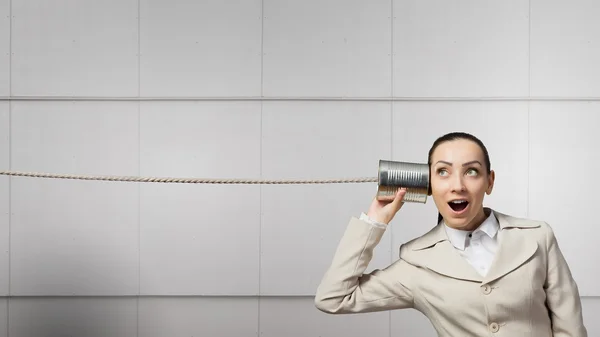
456 136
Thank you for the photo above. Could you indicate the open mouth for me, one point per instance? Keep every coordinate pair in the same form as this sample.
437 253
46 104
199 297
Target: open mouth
458 205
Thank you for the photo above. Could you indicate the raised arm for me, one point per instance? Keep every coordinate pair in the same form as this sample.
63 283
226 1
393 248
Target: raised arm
345 288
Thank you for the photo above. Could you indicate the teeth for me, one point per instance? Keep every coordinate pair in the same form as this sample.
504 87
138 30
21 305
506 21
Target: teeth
458 201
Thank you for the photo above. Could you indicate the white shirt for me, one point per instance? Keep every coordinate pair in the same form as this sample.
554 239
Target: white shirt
477 247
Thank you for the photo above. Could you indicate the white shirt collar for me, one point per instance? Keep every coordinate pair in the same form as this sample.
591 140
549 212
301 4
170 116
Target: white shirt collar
458 237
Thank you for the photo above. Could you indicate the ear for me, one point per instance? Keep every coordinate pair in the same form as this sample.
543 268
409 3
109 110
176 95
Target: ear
491 179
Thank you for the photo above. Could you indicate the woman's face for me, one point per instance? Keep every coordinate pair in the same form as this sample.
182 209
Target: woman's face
459 182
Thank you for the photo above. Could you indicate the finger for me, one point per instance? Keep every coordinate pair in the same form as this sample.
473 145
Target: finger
398 200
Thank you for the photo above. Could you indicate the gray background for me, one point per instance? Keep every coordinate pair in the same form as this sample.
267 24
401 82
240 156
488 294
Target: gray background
274 90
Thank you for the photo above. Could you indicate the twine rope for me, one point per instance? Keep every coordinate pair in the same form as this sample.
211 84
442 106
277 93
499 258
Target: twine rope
187 180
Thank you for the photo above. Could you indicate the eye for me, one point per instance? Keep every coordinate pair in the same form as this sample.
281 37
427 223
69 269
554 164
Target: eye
472 172
442 172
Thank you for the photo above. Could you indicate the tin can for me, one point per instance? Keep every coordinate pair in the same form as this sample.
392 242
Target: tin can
412 176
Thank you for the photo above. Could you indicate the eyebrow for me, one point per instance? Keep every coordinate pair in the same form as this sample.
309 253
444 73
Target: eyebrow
465 164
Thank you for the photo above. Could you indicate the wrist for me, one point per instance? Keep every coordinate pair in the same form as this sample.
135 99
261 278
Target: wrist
377 218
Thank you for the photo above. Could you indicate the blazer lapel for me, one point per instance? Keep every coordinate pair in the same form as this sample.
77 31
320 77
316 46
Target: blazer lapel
514 247
435 252
438 255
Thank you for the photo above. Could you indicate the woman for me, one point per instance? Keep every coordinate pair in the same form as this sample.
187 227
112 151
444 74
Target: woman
479 272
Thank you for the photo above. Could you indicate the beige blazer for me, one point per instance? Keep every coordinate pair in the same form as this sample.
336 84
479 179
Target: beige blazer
529 290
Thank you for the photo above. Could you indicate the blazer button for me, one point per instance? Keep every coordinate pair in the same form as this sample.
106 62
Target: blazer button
486 289
494 327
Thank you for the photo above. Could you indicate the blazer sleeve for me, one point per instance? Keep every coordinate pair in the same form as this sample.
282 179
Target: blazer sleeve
562 293
346 289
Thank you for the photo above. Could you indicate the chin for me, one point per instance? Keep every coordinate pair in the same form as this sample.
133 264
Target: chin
459 220
462 225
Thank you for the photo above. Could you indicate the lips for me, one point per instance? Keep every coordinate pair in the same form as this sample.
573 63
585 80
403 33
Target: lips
458 206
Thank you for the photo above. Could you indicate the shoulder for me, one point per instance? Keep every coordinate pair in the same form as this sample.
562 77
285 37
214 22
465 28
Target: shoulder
534 229
534 226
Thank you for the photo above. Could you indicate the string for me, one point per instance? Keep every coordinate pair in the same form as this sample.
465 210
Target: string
188 180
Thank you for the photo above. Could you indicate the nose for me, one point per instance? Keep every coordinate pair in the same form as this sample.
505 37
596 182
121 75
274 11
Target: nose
457 184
